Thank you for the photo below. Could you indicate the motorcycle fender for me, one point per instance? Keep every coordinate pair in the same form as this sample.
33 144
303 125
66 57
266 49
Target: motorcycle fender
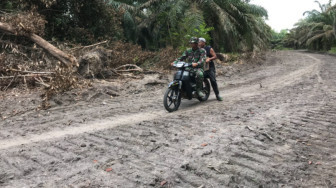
173 84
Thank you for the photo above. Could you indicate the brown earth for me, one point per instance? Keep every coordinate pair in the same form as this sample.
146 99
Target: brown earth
275 128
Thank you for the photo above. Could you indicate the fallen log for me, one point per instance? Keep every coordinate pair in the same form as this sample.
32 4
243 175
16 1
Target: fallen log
41 82
30 72
129 70
131 67
89 46
66 59
26 75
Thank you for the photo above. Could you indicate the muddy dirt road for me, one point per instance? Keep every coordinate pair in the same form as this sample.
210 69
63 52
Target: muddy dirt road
275 128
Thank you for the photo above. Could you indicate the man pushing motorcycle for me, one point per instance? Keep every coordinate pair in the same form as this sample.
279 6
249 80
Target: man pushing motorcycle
197 57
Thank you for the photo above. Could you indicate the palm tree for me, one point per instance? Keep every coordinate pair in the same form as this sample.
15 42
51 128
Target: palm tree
316 31
333 9
238 24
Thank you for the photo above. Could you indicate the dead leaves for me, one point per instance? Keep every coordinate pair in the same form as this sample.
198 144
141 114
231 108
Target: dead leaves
120 53
108 169
25 23
163 183
316 163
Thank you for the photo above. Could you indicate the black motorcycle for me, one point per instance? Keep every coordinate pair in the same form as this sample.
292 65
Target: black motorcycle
183 86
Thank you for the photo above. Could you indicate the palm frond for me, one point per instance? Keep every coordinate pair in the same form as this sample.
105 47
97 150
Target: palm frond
226 21
149 3
320 5
257 11
118 4
314 38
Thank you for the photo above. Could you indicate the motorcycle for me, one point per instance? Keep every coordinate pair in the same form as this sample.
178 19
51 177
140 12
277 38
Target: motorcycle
183 86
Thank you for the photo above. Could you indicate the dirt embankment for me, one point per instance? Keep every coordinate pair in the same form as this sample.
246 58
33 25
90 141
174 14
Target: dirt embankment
275 128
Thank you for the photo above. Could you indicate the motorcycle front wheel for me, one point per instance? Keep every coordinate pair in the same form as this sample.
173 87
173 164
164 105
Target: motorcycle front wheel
172 99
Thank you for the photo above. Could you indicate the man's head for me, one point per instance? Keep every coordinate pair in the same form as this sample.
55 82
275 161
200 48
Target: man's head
201 42
193 42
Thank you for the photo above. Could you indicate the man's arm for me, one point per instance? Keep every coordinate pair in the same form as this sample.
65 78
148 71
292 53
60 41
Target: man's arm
183 57
214 56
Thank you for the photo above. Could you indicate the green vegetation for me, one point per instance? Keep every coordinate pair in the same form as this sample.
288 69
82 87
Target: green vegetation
277 39
316 32
230 25
332 50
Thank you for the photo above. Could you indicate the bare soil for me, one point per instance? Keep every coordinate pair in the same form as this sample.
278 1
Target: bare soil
275 128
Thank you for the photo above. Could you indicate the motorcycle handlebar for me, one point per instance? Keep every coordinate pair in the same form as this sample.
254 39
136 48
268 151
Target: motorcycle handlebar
184 64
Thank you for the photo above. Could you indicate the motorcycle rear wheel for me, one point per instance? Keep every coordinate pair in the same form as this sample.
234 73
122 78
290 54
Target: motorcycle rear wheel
172 99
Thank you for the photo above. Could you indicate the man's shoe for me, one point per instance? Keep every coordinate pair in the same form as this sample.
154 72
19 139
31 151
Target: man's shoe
200 94
219 98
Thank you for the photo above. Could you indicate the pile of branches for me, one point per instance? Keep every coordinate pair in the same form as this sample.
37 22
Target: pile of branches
31 67
24 23
22 64
27 60
22 61
114 59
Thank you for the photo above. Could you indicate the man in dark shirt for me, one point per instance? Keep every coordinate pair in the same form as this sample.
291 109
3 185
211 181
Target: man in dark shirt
209 68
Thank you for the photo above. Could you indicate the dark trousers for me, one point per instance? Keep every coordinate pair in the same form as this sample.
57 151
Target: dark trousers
211 74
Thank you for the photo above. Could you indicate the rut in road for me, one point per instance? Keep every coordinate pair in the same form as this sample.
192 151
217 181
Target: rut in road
280 134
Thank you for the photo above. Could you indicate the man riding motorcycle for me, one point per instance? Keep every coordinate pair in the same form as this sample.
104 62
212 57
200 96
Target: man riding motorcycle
197 57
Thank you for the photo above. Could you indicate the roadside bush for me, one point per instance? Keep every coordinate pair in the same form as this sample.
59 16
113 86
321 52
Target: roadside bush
101 62
333 50
163 58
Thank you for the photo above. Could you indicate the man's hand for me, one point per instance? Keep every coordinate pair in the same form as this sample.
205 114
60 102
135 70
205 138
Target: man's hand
172 64
194 65
208 60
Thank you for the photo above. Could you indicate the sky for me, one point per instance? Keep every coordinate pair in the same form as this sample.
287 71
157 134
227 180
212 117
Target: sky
283 14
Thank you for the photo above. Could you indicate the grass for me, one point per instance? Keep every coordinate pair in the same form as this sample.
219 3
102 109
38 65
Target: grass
280 47
333 50
287 49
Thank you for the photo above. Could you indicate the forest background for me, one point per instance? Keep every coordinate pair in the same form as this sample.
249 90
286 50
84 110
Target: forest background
144 33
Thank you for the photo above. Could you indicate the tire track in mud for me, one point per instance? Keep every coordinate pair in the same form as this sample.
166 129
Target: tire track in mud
92 127
314 131
259 138
317 152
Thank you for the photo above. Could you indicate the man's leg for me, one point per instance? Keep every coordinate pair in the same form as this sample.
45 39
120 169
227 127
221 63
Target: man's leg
212 76
199 82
